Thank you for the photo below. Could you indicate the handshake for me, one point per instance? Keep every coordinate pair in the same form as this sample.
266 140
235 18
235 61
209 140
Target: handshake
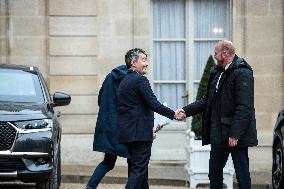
180 114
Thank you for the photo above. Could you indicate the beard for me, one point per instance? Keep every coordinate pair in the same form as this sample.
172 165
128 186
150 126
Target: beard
220 62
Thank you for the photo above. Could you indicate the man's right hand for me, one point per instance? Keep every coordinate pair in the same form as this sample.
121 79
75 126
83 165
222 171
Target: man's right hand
232 141
180 115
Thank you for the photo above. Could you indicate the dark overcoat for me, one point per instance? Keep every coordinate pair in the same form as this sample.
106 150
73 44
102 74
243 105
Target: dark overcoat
235 100
136 106
105 137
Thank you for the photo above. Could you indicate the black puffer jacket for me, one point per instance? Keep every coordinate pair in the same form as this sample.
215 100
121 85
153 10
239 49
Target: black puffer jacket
235 116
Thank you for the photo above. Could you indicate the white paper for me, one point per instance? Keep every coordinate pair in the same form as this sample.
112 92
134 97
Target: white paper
160 120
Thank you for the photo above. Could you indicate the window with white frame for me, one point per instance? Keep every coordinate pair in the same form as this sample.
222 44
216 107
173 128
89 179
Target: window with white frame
210 25
169 44
184 33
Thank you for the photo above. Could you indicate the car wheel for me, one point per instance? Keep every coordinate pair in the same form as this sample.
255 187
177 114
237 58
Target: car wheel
54 181
277 167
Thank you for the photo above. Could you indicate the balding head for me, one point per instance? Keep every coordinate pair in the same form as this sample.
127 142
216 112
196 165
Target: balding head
224 53
226 47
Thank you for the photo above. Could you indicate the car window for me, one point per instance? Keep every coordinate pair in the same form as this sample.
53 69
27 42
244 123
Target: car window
20 86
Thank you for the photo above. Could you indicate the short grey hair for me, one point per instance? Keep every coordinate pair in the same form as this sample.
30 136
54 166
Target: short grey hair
133 54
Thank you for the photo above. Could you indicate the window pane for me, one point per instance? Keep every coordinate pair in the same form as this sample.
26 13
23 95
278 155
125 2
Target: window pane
202 51
195 89
169 60
20 86
169 56
210 18
169 18
171 93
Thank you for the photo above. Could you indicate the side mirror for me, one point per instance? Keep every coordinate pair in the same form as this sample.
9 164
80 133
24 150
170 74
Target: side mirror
61 99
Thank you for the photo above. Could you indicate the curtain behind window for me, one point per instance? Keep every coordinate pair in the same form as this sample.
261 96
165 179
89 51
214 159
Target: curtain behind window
169 51
209 21
210 26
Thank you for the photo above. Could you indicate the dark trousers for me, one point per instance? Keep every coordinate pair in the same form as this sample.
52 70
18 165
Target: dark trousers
105 166
218 159
140 153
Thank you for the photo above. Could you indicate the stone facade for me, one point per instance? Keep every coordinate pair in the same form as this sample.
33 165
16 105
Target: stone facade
23 33
76 43
258 31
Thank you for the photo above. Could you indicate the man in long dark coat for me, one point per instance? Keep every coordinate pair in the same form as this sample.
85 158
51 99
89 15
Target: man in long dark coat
228 115
105 137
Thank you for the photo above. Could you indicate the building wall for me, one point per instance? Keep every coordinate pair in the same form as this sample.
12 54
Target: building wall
23 33
3 29
76 43
86 40
258 33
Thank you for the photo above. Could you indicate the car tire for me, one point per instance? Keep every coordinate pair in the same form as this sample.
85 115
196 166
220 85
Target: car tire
54 181
277 167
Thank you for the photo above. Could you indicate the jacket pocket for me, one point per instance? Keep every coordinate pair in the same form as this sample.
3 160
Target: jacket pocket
225 127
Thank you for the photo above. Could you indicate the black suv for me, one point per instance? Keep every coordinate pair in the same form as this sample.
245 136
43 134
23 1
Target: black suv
29 128
277 153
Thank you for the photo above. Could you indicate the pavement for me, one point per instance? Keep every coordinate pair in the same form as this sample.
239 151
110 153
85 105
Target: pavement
116 186
20 185
162 174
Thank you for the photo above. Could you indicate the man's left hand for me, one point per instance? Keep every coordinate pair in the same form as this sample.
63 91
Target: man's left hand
233 141
158 128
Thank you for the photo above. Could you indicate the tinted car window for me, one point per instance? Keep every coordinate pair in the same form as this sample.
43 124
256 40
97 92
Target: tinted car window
20 86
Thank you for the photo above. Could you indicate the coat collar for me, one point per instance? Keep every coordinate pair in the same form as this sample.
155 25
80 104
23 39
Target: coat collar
133 71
